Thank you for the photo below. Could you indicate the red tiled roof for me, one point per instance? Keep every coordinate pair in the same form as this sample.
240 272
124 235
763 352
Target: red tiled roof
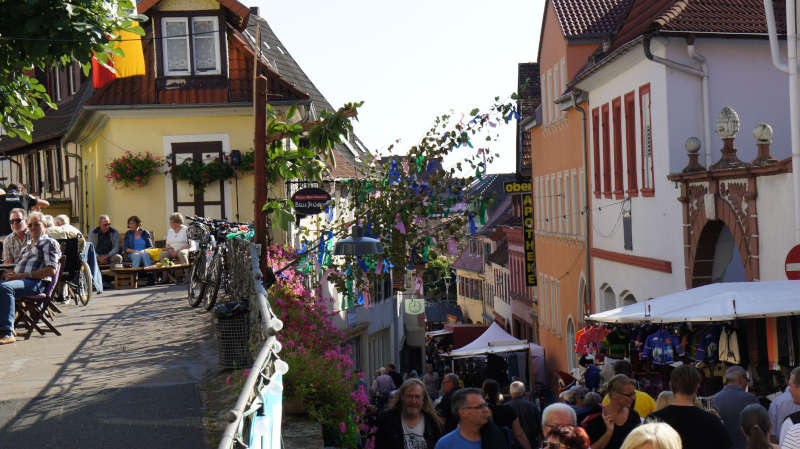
693 16
583 19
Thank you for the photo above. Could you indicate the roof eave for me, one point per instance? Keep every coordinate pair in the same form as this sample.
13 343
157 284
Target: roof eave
621 50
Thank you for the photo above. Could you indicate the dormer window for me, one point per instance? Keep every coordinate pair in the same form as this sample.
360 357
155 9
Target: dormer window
191 46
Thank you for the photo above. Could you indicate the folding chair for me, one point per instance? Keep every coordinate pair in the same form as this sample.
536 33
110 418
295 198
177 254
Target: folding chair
33 309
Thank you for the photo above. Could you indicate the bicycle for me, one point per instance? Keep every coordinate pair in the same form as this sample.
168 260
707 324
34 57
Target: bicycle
209 271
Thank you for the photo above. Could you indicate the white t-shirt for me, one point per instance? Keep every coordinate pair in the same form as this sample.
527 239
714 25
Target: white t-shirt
790 436
178 240
414 436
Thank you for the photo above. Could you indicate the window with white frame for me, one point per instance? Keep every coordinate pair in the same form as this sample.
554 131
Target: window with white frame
191 46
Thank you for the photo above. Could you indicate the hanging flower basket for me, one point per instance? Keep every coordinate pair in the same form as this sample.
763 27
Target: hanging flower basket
133 169
200 174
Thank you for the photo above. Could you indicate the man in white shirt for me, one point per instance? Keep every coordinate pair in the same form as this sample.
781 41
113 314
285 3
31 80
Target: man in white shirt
792 419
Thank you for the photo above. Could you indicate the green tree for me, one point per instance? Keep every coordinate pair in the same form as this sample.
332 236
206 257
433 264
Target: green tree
39 34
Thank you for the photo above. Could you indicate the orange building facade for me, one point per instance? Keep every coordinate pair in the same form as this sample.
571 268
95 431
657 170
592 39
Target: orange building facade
559 136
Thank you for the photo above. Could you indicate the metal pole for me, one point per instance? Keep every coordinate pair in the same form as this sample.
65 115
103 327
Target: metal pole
260 147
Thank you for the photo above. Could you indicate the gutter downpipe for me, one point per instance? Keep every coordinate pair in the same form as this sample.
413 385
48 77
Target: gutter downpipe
690 48
791 68
700 73
587 198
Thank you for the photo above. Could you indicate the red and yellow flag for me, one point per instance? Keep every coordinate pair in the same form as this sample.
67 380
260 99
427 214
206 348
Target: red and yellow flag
131 64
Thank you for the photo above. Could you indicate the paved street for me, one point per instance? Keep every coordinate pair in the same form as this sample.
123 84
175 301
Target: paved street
124 374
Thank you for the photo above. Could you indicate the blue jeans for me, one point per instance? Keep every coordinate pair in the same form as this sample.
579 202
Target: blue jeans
8 291
140 260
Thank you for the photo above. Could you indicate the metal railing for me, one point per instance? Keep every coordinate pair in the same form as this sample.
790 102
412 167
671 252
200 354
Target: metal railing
266 370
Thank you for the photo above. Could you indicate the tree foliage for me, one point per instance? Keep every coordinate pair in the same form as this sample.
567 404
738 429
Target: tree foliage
40 34
419 208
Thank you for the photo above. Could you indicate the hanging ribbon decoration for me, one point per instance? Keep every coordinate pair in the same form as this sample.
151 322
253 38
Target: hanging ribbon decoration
419 285
394 172
379 268
472 229
452 245
483 211
405 166
420 162
398 224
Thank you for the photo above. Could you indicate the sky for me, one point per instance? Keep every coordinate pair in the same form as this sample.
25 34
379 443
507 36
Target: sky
410 61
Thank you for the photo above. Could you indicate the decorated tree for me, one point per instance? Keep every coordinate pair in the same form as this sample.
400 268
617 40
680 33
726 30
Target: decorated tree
418 204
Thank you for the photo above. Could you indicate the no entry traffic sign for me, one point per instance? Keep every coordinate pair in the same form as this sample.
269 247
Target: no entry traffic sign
793 264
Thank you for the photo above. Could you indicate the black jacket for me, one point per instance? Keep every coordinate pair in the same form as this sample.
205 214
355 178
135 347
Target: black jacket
390 431
493 437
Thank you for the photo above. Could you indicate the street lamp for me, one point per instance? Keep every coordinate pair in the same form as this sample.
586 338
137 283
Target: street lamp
357 244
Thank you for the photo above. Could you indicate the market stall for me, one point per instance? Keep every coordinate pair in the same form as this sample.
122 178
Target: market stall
752 324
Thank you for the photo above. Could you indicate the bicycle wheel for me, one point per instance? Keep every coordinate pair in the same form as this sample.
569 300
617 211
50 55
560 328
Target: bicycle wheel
197 283
212 282
84 290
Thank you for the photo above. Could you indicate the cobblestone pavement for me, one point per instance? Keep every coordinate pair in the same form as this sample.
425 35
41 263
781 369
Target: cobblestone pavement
124 374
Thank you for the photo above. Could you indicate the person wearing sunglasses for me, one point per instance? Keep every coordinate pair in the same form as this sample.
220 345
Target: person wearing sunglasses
475 430
566 437
13 244
608 429
13 199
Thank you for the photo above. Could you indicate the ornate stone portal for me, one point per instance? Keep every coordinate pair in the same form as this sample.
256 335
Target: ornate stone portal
724 195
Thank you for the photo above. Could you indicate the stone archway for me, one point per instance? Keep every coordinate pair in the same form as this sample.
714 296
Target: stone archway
709 207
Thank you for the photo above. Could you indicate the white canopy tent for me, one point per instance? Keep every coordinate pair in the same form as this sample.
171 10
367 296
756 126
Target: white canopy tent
714 302
438 333
493 340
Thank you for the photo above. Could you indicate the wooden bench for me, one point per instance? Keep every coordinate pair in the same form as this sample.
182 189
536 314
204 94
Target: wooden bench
125 277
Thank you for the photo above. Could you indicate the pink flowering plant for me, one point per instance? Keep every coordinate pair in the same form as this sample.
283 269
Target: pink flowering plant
133 169
321 372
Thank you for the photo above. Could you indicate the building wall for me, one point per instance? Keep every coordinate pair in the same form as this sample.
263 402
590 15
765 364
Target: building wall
775 224
656 213
150 202
472 308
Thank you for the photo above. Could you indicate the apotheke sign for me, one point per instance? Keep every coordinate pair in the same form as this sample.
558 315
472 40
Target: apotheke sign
310 201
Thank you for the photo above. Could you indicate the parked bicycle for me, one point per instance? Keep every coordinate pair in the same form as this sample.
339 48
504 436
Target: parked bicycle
210 270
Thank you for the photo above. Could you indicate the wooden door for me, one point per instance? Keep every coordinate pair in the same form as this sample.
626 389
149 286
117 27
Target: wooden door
210 203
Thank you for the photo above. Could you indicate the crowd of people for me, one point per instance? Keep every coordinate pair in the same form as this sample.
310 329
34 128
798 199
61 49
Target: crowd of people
425 413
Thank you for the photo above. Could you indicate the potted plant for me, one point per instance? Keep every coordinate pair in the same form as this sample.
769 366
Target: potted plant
133 169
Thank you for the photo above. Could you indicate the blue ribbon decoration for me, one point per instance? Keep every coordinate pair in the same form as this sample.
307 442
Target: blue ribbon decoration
472 228
394 172
361 264
321 249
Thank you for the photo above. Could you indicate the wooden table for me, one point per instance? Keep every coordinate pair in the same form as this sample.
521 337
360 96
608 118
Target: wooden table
129 277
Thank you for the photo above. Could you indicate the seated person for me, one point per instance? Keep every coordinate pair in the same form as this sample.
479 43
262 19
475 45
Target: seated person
61 230
13 244
178 244
137 240
32 273
105 240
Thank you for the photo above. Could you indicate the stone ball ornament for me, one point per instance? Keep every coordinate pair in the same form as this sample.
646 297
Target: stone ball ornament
763 132
692 145
728 123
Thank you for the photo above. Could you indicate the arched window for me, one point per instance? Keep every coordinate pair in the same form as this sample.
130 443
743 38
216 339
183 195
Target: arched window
609 299
572 358
628 298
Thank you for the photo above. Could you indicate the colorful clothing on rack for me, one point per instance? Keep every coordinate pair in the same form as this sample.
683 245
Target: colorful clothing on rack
590 340
616 344
662 348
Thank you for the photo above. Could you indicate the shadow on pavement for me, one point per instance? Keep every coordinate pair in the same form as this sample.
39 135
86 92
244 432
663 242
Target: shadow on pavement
131 382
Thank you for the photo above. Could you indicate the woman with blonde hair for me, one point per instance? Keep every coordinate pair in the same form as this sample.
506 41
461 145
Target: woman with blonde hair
664 399
656 435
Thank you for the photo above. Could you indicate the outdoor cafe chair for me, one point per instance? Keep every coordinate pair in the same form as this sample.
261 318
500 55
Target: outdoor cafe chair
33 309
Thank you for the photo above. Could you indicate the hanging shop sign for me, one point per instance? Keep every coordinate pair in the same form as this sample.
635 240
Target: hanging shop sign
415 306
517 186
310 201
528 234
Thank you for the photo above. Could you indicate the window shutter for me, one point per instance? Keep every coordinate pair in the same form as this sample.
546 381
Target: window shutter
616 110
630 143
596 145
606 154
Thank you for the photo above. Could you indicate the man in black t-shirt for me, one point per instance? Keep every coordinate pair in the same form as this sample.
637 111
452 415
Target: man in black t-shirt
13 199
698 428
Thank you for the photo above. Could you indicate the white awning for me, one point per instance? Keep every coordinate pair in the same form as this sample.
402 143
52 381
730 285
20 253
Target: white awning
714 302
493 340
